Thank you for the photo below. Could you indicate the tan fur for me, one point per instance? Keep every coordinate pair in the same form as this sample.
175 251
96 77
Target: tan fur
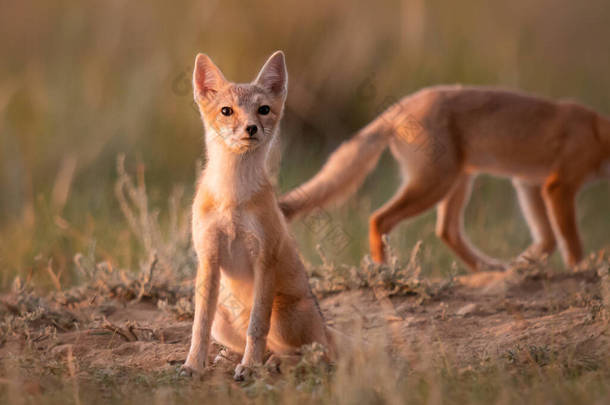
444 136
252 292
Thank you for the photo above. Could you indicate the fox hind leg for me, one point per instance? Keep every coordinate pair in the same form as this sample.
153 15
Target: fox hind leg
414 198
559 199
450 226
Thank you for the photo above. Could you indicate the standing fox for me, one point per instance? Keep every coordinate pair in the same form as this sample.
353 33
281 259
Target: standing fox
443 136
251 290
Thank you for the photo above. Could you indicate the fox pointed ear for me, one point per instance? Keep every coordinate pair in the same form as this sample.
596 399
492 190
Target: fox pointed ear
207 78
274 75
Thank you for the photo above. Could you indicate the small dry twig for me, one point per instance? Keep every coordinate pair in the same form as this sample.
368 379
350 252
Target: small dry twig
126 334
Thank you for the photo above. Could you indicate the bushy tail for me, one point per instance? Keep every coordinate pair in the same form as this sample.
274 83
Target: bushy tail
341 175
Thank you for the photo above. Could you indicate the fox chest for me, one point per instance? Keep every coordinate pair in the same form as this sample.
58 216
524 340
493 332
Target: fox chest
241 238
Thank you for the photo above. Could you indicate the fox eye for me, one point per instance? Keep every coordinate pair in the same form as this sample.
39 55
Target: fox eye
226 111
264 110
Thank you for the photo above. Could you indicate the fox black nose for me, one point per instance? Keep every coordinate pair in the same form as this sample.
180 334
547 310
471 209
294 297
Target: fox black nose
251 130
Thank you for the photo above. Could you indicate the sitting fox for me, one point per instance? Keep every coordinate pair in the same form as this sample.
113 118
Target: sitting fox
251 291
442 137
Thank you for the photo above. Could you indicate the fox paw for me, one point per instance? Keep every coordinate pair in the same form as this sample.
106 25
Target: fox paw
226 356
276 363
242 372
190 372
273 364
225 360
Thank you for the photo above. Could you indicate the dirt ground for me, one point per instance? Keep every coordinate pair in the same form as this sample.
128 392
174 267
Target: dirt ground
518 316
487 317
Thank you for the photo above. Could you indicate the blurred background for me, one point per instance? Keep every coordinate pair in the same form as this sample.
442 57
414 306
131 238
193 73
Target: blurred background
82 82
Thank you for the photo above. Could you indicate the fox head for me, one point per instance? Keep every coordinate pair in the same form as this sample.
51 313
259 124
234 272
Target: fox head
240 118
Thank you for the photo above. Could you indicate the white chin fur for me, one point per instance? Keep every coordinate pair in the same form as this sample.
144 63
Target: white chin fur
233 177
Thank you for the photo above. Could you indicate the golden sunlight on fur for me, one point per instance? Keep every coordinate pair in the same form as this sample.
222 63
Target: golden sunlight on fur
252 291
443 136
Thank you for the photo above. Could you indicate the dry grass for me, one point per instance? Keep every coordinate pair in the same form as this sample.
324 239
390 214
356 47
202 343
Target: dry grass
82 242
374 373
81 85
99 341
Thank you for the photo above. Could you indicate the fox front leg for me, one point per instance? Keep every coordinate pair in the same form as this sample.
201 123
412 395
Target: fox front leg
260 319
206 298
